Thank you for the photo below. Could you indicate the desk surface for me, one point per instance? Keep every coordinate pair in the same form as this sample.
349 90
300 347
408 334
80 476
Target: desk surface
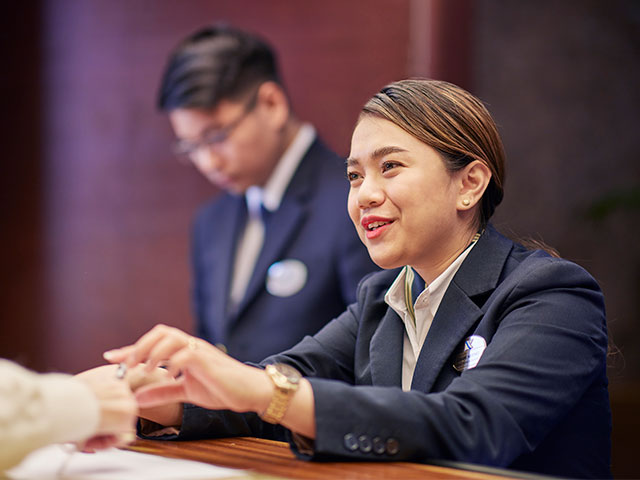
268 457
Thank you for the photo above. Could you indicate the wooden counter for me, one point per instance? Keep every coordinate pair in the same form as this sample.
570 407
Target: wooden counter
271 458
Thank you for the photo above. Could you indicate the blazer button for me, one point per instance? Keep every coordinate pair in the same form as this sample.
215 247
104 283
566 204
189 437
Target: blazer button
392 446
378 445
364 442
350 442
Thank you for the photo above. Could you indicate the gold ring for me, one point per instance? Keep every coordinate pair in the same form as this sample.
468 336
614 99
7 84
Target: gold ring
192 344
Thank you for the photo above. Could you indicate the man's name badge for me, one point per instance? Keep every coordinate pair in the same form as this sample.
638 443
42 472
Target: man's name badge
470 356
286 277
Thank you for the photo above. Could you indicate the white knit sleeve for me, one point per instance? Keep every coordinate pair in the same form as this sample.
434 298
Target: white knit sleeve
38 409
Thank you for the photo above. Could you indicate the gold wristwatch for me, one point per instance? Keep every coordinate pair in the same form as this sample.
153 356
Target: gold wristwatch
286 380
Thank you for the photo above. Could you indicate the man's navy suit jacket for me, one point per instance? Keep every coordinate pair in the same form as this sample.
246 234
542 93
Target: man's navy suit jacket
536 401
312 226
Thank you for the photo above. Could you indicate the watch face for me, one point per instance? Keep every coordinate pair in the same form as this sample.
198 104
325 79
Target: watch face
288 371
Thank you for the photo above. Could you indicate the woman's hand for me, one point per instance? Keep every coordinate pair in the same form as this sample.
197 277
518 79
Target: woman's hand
199 373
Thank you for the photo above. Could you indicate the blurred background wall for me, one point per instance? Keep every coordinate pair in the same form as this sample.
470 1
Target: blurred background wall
95 212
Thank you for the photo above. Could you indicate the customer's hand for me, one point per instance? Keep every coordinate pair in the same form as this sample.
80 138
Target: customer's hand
118 410
169 414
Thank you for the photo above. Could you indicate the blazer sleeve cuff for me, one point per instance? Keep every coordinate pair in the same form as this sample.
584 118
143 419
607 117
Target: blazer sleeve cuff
343 434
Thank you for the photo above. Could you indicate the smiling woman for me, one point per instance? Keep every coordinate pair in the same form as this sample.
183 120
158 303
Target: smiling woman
448 148
451 121
408 208
469 348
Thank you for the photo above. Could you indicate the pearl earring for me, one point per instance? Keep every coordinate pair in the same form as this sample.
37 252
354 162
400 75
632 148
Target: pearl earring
466 202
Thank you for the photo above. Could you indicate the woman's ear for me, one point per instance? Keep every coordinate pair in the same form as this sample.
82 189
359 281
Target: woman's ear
473 180
273 103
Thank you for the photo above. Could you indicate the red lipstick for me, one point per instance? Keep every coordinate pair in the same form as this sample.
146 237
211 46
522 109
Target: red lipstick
375 226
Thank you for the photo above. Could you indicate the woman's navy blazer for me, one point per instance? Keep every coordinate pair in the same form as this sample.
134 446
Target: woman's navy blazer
536 401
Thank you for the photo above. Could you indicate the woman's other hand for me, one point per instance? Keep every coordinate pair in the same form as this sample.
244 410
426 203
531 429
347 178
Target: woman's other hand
200 373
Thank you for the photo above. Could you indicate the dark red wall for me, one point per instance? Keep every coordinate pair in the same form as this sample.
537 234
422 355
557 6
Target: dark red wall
107 210
21 183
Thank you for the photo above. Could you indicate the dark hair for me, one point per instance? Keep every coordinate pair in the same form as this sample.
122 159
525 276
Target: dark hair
215 63
451 121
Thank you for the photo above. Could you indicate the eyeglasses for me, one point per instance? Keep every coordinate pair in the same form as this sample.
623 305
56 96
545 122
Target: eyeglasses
187 149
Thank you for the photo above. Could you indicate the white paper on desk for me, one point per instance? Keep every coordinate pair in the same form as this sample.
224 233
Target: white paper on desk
113 464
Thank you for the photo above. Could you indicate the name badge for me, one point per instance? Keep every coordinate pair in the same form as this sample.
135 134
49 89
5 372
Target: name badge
470 356
286 278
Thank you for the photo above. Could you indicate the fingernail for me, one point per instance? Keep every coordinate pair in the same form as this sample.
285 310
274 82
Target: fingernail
108 355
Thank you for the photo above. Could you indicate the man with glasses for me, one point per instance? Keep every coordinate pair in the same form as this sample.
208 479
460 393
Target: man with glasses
275 256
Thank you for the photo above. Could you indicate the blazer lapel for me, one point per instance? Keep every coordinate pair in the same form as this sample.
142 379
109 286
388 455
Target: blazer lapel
280 226
283 224
457 313
455 316
386 351
234 217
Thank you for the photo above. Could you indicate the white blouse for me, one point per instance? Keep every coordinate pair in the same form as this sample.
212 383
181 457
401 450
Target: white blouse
425 307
